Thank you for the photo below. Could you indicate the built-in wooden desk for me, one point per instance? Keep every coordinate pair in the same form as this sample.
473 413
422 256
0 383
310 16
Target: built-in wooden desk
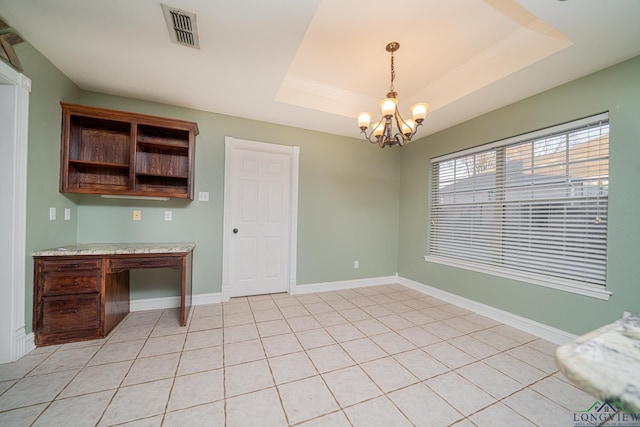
81 292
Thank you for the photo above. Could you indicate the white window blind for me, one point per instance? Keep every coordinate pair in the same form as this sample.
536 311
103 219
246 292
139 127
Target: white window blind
533 205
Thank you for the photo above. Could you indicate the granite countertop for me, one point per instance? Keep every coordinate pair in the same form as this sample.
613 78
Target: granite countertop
606 362
117 249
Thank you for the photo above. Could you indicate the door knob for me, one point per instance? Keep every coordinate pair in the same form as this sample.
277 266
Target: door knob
235 231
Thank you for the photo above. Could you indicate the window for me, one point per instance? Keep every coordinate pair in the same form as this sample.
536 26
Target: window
531 207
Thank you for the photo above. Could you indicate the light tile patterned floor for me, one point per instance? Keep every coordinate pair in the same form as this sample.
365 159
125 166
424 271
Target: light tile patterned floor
376 356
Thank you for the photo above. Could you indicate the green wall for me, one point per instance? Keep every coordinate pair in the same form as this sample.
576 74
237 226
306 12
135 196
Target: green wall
617 90
347 203
48 87
356 202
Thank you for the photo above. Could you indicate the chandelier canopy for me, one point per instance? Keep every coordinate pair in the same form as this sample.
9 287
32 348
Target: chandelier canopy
383 132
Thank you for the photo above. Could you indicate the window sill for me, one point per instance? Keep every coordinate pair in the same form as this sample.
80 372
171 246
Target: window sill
559 284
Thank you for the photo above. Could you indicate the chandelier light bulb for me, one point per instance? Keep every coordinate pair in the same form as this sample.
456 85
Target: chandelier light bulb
378 129
388 106
408 126
364 119
419 111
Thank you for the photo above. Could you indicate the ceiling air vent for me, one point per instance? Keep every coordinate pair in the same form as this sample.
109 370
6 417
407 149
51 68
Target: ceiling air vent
182 26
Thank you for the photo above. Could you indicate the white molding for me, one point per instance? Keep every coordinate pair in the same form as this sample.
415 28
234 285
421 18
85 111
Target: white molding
172 302
538 329
226 220
225 293
28 343
293 220
541 330
14 94
9 75
153 303
204 299
344 284
231 144
528 278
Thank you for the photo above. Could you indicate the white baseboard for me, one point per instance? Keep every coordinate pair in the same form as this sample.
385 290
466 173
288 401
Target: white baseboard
172 302
538 329
29 343
203 299
541 330
344 284
154 303
24 343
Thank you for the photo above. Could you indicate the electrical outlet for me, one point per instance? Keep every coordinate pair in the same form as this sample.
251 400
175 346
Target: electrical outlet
203 196
168 215
137 215
67 214
356 264
52 214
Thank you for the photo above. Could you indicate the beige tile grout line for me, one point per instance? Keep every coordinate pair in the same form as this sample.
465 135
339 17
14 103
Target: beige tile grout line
305 351
393 356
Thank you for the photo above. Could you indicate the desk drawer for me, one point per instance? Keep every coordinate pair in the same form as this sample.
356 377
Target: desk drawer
121 264
60 284
74 265
70 313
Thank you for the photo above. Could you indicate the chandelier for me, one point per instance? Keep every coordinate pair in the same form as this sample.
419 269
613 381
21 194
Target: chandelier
383 132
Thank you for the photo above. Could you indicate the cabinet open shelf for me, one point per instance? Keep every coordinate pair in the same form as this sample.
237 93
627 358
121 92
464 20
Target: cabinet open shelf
162 164
99 140
161 184
153 138
159 175
172 149
87 163
114 152
87 177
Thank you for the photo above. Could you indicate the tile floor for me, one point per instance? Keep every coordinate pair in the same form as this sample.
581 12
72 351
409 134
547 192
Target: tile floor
376 356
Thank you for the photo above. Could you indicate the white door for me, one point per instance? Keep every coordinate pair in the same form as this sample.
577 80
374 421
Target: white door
258 211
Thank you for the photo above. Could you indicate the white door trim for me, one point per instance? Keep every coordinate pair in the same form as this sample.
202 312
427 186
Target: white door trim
14 126
294 153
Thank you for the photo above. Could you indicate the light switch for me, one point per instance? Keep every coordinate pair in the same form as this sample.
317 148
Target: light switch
52 214
203 196
67 214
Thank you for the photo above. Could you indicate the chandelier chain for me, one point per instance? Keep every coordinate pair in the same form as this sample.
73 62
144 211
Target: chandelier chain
393 74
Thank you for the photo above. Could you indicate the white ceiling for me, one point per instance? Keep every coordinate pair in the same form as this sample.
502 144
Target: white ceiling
316 64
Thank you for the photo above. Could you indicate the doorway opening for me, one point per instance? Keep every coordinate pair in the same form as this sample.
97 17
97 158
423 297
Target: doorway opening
14 122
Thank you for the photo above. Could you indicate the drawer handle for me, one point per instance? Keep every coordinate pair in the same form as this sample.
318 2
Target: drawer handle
69 311
146 262
67 266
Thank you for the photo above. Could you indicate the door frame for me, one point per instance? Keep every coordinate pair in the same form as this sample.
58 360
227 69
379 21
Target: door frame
14 124
230 145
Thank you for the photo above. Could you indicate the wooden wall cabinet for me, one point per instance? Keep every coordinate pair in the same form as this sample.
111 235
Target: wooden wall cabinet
120 153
